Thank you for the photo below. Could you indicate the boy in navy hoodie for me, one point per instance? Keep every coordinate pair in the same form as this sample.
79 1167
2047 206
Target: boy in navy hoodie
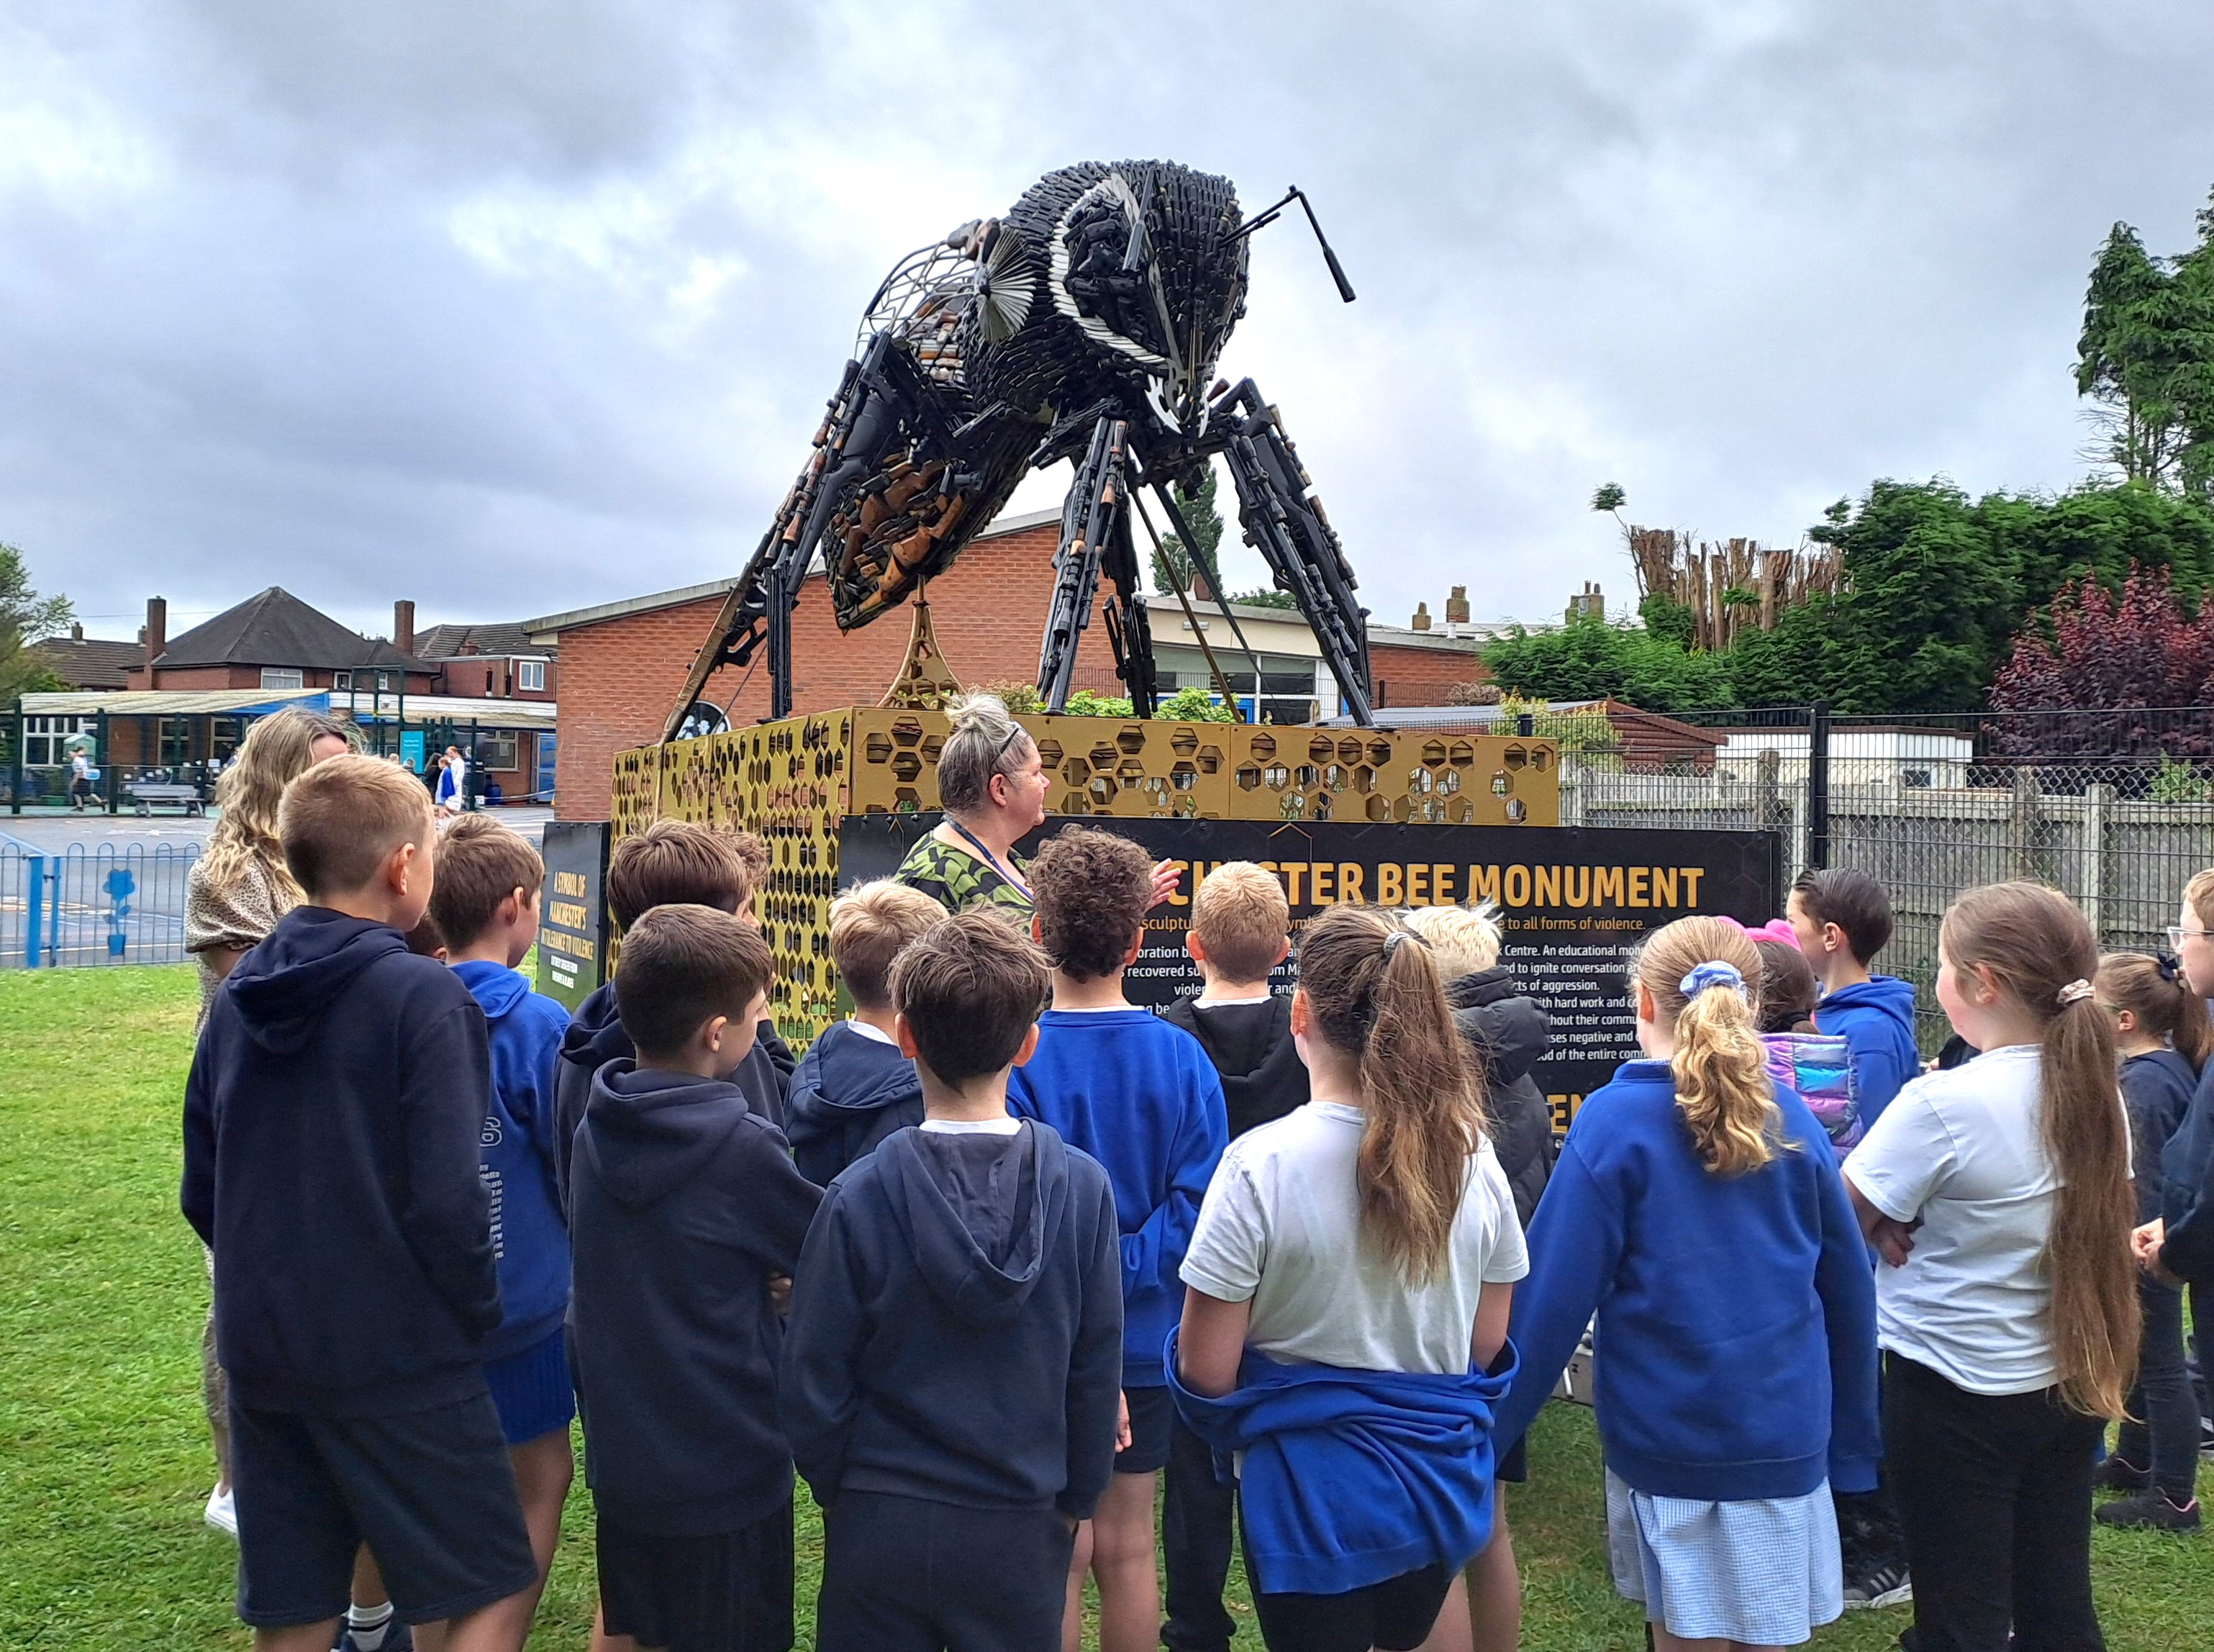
684 1205
854 1088
670 863
331 1125
486 908
950 1379
1141 1098
1241 927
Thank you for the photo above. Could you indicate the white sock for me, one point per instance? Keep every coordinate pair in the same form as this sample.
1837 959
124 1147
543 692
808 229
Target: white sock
368 1624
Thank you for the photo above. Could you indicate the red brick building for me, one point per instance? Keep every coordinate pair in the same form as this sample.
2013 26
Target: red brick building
624 663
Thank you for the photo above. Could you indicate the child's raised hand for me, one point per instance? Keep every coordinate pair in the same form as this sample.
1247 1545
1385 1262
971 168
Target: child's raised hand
1166 877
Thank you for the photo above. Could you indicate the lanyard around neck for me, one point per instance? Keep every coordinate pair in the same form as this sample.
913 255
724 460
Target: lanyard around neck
1007 873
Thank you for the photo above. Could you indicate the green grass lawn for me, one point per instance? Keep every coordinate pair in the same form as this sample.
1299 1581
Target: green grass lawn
103 1455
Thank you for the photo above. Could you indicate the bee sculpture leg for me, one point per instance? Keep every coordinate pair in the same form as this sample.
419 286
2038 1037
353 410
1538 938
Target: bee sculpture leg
1284 521
864 419
1095 533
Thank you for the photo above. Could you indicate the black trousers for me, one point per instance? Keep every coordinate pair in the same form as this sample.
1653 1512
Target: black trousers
2166 1439
1994 1496
1197 1510
905 1575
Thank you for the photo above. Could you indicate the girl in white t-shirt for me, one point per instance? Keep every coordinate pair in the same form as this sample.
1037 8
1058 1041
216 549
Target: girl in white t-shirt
1998 1194
1349 1288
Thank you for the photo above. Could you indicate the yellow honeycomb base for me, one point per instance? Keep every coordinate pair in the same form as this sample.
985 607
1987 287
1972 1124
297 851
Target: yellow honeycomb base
793 781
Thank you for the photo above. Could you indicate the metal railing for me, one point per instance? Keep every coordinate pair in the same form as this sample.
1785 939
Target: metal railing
90 905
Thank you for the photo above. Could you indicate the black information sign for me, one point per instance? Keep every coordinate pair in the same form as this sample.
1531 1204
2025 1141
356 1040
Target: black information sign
572 917
1575 902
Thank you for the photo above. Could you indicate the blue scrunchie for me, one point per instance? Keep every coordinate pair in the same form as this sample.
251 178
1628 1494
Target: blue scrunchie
1714 974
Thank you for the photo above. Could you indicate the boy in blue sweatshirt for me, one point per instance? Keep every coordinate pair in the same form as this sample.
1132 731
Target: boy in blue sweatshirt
486 908
331 1125
684 1210
670 863
852 1087
1842 919
1142 1097
950 1380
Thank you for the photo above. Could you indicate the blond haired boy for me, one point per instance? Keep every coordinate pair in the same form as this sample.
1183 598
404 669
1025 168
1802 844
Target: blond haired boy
854 1088
331 1125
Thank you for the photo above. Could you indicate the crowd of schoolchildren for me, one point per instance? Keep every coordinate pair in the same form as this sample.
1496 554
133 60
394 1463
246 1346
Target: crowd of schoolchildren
1002 1251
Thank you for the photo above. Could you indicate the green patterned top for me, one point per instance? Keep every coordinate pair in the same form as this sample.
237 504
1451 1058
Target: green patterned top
954 877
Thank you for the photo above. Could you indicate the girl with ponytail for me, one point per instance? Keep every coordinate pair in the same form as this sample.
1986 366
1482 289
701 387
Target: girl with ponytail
1345 1317
1998 1194
1697 1209
2161 1032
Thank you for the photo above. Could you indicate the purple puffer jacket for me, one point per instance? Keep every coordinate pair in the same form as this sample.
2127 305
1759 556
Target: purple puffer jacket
1817 1066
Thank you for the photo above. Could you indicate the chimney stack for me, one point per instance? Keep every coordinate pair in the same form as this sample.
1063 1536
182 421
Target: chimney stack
403 626
76 633
1422 620
1455 610
157 633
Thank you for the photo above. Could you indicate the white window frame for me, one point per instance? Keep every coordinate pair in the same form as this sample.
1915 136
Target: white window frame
342 681
490 748
52 734
530 675
278 677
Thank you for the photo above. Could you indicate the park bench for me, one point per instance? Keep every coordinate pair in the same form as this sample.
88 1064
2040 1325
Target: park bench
147 795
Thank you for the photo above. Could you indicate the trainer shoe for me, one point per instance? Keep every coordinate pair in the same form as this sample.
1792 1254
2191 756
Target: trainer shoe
2118 1473
2150 1508
221 1511
396 1637
1884 1585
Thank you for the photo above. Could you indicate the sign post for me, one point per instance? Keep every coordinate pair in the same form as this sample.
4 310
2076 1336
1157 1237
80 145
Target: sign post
572 922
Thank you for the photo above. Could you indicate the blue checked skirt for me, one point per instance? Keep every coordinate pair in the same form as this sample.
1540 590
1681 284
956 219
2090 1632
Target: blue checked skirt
1763 1573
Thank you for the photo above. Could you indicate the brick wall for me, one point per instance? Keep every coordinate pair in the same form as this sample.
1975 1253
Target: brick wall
1420 677
621 678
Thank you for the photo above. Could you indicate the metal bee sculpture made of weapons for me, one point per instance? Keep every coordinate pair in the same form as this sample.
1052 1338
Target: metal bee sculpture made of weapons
1084 325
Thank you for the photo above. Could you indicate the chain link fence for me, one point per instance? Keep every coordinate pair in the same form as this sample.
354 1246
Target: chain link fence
2115 808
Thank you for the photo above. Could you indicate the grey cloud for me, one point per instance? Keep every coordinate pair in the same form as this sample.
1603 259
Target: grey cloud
512 306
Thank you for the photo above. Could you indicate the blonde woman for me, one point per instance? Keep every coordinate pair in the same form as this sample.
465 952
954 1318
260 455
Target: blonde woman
1698 1208
237 891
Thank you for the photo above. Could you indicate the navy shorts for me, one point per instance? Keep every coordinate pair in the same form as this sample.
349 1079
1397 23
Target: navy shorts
530 1390
432 1493
728 1592
1152 1410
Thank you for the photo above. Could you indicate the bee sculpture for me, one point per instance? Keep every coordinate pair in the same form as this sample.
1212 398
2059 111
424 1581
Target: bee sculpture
1083 324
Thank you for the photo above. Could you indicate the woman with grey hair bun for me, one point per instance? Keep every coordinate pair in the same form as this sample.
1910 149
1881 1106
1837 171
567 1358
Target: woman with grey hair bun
992 786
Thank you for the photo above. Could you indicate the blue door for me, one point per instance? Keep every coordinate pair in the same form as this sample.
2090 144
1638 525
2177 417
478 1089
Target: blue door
544 785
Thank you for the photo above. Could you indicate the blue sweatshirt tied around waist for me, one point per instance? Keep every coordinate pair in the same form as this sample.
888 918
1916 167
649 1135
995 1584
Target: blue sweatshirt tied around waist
529 1237
1736 1342
1351 1478
1141 1098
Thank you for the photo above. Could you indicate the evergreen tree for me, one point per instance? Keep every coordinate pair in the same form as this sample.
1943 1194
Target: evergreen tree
1197 504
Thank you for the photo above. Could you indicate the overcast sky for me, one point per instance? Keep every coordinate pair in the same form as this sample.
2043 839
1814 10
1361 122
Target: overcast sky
514 307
